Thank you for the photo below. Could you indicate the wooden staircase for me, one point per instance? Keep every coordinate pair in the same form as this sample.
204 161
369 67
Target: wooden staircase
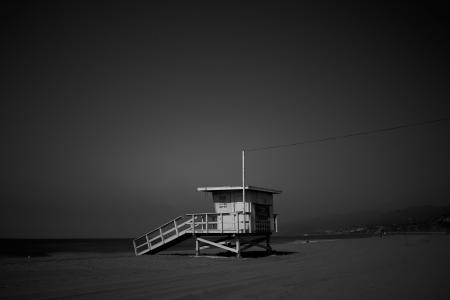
163 237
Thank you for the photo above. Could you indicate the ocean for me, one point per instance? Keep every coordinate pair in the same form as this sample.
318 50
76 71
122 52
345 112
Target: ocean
29 248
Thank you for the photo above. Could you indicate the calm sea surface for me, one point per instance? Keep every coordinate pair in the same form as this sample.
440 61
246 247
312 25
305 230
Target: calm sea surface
50 247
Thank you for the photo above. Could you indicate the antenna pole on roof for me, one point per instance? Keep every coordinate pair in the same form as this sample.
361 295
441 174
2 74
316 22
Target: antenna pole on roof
243 185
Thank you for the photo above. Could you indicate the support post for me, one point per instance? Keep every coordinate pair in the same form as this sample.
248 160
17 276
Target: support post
276 223
238 248
197 247
269 248
221 220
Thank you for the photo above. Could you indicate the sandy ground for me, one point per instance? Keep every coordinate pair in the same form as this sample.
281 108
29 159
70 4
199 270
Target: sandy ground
396 267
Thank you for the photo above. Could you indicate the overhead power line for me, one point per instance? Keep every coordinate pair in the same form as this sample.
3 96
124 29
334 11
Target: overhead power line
349 135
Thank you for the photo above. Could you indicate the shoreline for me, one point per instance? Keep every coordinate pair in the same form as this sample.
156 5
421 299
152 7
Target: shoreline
50 248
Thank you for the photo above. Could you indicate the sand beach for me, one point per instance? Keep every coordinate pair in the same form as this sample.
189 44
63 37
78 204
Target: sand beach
395 267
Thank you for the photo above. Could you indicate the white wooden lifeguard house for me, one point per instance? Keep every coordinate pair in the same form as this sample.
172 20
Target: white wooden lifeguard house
242 218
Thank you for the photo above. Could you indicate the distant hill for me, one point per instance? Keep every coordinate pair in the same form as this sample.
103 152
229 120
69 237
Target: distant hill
410 215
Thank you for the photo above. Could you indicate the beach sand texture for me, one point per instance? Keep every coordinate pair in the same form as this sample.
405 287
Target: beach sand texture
395 267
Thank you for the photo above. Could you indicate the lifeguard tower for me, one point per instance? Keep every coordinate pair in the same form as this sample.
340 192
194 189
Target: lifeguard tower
242 218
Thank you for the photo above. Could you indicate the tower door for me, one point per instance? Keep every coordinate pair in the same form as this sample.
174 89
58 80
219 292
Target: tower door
262 218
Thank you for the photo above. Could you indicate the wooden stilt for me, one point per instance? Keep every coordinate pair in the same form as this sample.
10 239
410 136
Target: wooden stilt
197 247
238 248
269 248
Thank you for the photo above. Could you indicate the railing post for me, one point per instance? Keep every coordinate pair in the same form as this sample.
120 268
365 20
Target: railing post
237 221
193 223
161 234
206 216
221 220
134 245
176 227
149 246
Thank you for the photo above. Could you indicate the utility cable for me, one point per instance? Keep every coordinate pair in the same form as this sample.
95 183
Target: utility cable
349 135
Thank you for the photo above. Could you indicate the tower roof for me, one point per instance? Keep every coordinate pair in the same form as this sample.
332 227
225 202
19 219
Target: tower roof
236 188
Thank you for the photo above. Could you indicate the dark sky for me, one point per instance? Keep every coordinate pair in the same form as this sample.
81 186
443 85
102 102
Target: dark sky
113 113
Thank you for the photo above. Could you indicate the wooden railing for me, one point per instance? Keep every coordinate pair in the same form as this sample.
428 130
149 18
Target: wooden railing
237 222
159 236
